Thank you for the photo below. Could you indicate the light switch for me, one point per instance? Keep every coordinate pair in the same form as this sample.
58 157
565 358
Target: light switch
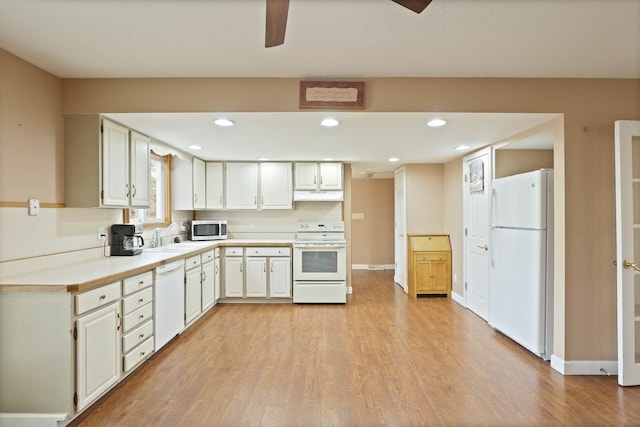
34 207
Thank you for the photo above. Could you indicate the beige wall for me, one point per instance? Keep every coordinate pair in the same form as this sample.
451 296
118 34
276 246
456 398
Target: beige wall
372 221
454 221
424 193
583 160
512 162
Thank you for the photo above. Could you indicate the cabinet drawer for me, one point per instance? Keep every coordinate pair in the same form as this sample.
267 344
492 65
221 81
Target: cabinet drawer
136 317
216 252
138 282
431 256
137 335
138 354
97 297
233 252
192 262
207 256
137 300
283 251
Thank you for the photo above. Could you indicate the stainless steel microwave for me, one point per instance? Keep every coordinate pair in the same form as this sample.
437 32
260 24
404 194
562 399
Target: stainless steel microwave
208 229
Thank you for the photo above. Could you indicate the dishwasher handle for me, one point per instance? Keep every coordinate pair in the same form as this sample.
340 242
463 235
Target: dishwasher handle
170 267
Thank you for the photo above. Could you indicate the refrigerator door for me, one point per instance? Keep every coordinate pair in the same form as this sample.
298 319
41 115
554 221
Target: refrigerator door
517 292
520 201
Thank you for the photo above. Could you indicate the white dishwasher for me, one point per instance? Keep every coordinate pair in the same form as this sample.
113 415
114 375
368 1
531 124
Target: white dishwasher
169 302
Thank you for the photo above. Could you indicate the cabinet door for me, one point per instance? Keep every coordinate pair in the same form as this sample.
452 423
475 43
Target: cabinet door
181 184
97 353
216 263
441 271
276 186
331 176
192 294
256 277
242 186
214 187
306 176
115 164
199 194
140 173
208 285
233 277
280 277
423 282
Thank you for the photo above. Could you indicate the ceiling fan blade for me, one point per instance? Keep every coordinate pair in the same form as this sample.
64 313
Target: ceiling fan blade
277 11
416 5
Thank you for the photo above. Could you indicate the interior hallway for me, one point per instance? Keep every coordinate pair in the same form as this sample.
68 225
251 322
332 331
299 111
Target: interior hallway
382 359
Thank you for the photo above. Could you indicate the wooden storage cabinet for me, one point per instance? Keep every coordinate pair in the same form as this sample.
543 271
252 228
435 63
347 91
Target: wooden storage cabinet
429 265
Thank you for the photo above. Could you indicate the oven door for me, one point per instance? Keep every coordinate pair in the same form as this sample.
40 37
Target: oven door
319 262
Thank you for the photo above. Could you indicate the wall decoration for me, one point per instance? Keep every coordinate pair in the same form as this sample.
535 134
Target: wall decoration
476 176
334 95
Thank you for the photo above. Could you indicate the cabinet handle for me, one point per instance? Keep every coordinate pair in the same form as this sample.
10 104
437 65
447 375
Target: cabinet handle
216 268
142 353
103 296
141 282
321 180
127 187
314 180
195 198
264 268
204 276
141 300
134 190
119 322
262 200
255 200
240 268
141 336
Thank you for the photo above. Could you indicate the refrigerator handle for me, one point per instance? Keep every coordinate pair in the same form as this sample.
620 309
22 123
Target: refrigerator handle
491 224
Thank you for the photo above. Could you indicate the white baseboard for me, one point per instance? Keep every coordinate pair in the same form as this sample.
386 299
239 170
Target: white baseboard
457 298
584 367
31 420
373 267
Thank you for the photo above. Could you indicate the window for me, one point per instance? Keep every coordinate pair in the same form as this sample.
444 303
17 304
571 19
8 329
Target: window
159 213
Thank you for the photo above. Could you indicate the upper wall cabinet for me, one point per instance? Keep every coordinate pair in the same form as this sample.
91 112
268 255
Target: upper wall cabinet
276 183
242 185
106 165
318 181
188 184
259 186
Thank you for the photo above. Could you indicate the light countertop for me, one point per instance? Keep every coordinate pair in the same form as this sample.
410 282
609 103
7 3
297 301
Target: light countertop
87 274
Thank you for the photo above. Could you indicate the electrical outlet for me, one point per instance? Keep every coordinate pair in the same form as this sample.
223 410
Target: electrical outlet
34 207
101 233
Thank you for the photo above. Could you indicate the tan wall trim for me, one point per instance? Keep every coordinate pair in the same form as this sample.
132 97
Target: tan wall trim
26 205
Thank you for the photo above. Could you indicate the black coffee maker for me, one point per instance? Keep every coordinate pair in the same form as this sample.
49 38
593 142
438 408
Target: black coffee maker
126 239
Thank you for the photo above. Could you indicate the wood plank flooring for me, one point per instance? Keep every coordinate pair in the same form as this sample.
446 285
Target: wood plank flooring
383 359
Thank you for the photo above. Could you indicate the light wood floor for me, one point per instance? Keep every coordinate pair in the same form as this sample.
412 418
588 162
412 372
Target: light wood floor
383 359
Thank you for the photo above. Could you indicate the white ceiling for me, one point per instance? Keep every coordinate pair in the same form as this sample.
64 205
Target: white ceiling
335 39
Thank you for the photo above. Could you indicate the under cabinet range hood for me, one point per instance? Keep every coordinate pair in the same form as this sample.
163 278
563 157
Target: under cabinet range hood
318 196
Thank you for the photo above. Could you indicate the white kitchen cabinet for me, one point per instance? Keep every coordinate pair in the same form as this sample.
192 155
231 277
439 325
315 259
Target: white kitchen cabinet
192 289
256 277
233 273
315 176
276 186
280 277
242 185
199 184
214 185
137 320
97 353
188 184
208 280
103 168
217 275
140 170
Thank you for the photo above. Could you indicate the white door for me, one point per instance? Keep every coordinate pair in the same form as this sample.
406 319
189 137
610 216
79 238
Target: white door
276 186
477 199
280 277
213 187
242 186
115 164
627 165
400 200
233 277
97 353
140 174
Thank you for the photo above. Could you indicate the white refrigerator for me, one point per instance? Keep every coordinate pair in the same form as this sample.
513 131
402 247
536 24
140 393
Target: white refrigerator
521 272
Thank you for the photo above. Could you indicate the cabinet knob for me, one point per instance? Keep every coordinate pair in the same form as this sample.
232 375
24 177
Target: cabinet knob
141 336
141 300
141 316
103 296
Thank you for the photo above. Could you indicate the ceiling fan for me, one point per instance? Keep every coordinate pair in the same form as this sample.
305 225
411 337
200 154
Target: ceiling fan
277 11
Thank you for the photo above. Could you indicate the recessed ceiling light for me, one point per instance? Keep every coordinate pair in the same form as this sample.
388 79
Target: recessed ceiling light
393 159
330 122
434 123
224 122
328 159
262 159
462 147
195 147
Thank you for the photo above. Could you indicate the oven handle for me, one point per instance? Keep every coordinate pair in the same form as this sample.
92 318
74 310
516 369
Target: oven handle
317 246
